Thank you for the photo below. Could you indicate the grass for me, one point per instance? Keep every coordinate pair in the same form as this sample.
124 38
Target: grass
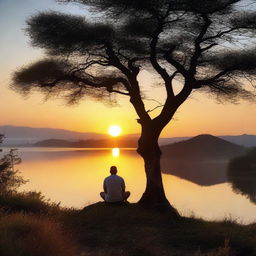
28 235
131 230
126 230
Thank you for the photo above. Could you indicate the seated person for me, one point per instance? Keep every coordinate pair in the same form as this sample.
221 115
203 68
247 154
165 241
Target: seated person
114 188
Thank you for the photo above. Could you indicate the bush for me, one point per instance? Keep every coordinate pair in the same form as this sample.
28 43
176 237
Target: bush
33 202
10 178
27 235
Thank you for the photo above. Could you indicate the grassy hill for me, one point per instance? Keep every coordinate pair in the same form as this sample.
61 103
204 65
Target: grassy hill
125 230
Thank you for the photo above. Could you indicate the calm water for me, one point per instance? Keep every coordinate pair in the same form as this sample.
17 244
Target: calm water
74 177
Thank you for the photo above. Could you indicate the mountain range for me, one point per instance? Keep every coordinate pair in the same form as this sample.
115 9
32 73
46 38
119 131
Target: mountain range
17 135
20 135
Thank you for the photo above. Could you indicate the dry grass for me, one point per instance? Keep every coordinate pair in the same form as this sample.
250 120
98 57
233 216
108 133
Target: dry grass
28 235
132 231
110 230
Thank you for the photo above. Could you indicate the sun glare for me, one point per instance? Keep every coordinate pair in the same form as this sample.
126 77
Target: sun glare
114 130
115 152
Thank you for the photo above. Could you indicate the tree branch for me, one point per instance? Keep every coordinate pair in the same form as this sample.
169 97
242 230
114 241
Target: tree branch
119 92
132 87
198 41
179 67
150 110
212 79
153 54
208 47
220 34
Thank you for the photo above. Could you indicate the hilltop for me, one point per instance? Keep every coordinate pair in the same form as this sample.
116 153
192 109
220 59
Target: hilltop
203 147
105 229
202 159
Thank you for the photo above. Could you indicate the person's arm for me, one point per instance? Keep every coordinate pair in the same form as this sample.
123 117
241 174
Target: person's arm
123 186
105 187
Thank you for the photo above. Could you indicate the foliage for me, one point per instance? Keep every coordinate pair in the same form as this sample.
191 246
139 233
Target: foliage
30 202
242 174
177 39
28 235
9 177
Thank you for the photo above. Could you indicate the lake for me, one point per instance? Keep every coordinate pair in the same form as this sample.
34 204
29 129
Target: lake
74 177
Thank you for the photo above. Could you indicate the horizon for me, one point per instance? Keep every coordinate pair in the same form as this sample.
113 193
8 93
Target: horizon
127 134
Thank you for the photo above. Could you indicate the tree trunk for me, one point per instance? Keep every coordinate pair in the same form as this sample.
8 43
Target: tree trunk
154 195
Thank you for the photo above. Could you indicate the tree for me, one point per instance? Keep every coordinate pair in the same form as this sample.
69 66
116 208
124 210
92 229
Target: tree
195 42
9 177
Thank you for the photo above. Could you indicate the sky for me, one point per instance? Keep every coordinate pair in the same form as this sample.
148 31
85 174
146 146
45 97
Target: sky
199 114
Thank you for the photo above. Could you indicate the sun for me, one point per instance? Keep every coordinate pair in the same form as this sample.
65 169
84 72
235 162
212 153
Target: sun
114 130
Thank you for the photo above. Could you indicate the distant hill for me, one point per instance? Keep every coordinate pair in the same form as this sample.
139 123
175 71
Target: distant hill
104 143
202 159
131 141
203 147
17 135
245 140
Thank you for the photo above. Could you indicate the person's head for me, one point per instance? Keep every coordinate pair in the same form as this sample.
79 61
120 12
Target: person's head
113 169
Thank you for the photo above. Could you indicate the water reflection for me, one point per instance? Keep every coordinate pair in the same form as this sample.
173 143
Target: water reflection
242 175
115 152
75 179
204 173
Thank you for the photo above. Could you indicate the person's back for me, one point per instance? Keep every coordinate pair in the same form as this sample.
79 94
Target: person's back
114 188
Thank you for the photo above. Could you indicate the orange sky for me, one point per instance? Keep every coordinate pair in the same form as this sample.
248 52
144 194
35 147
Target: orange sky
200 114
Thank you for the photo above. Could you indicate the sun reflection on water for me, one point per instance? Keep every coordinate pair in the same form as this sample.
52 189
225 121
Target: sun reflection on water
115 152
75 178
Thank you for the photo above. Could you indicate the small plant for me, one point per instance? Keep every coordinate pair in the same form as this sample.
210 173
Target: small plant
221 251
10 178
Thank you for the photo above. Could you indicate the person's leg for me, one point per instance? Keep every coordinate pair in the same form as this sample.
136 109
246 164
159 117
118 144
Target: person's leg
126 195
103 194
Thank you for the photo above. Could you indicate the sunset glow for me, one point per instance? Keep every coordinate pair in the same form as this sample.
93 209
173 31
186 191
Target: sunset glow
114 130
115 152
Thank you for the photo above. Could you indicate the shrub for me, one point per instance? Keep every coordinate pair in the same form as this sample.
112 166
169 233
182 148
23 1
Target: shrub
10 178
33 202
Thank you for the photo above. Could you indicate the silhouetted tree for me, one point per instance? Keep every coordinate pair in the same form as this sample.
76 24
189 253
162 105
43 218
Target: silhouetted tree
196 42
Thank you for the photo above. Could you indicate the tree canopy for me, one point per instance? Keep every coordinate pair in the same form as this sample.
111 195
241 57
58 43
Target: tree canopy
193 41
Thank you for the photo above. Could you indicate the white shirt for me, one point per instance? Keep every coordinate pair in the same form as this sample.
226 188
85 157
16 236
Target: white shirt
114 186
